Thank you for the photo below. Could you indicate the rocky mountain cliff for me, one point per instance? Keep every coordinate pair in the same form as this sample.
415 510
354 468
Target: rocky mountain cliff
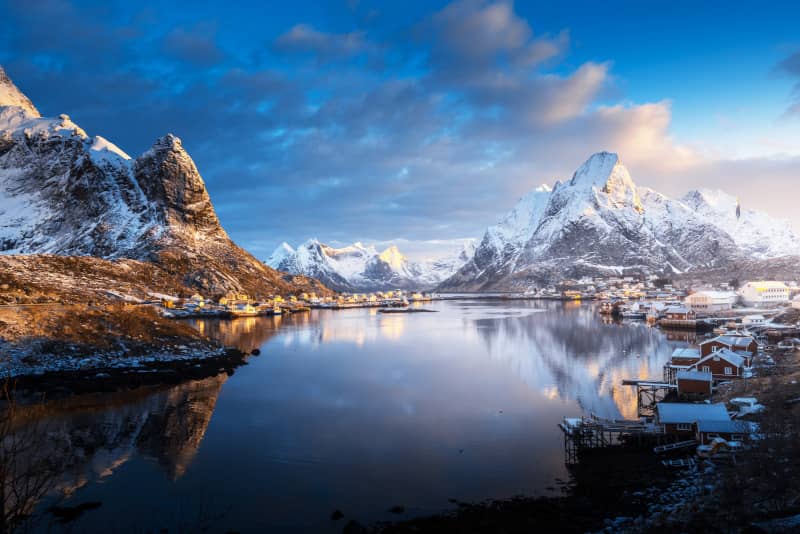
66 193
601 223
364 268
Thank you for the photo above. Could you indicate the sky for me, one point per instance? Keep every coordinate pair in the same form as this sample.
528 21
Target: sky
422 122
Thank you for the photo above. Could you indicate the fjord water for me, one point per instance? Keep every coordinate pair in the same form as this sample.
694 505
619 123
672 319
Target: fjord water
357 411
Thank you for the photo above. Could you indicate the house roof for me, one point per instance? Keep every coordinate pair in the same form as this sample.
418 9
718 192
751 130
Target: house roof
729 426
731 341
676 309
686 352
678 412
694 375
766 284
727 355
712 294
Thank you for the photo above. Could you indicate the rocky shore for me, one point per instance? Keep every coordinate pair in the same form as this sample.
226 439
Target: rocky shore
78 348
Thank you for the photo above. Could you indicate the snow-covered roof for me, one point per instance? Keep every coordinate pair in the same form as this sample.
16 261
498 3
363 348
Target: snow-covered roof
731 340
729 426
694 375
766 284
680 412
686 352
727 355
677 309
713 295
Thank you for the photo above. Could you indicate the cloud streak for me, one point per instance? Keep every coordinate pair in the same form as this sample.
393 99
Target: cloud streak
790 66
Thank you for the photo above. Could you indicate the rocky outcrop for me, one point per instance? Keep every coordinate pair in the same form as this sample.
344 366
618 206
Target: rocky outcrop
66 193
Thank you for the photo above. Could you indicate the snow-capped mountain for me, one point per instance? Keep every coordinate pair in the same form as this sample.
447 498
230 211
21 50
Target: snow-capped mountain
363 268
64 192
600 223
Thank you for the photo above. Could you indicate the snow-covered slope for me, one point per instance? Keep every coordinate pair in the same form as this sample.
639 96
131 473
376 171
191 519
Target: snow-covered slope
599 223
363 268
755 232
64 192
11 96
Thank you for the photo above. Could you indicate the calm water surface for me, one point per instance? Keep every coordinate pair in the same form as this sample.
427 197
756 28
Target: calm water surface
357 411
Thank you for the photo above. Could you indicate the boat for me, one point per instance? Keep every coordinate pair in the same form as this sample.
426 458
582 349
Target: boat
633 312
276 310
251 312
243 309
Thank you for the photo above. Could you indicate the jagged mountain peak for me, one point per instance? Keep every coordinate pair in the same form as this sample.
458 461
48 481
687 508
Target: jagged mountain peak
360 267
712 197
10 95
63 192
393 257
605 174
601 223
170 180
596 170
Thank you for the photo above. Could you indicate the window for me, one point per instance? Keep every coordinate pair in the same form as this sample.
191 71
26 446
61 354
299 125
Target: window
706 368
714 348
684 426
728 371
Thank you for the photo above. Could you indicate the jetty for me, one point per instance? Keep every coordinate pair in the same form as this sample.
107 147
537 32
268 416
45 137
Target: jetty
595 432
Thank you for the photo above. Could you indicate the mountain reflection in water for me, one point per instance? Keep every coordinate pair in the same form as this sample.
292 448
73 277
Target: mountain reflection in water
88 438
354 410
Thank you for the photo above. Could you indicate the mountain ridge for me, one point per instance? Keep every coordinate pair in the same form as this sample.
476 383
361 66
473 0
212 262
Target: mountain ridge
601 223
66 193
358 267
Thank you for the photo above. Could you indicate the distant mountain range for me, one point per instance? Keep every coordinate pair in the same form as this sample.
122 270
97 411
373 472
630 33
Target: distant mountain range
364 268
63 192
600 223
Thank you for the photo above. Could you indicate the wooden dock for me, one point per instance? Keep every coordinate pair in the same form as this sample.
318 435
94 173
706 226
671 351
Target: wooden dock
593 432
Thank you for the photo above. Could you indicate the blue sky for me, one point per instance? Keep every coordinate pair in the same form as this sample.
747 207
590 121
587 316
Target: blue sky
422 122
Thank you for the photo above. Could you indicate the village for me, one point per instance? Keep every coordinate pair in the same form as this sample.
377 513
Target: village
707 409
233 304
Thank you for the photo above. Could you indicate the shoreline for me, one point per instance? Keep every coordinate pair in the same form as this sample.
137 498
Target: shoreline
60 383
606 485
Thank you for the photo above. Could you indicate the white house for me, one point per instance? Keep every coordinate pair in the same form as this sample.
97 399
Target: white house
710 301
796 302
764 293
753 320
